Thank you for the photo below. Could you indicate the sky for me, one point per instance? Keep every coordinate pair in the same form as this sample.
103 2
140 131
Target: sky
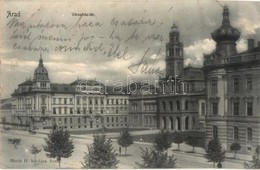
112 28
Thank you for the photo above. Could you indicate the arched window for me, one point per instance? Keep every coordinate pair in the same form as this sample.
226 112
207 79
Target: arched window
236 133
178 120
249 134
164 122
186 105
171 121
215 132
187 123
193 121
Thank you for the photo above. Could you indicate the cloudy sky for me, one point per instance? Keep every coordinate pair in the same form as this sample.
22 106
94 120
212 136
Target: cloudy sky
196 19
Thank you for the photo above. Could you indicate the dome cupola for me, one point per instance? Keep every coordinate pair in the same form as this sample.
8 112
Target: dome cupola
226 32
41 73
174 29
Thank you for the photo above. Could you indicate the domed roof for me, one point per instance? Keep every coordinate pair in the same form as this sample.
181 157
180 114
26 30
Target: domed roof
226 32
174 29
41 73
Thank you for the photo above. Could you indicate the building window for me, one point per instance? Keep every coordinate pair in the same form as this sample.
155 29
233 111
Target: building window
107 119
96 101
65 120
215 108
249 134
54 100
54 110
78 101
249 83
164 105
171 105
202 108
84 110
71 120
78 110
236 84
236 133
90 110
65 110
71 111
43 100
134 107
59 100
215 132
236 108
187 87
249 108
214 86
79 120
178 105
59 110
186 105
71 100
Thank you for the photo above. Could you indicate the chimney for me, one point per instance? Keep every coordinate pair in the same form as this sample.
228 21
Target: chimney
250 43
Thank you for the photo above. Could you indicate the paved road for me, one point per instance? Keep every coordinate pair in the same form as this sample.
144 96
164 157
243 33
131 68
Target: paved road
21 157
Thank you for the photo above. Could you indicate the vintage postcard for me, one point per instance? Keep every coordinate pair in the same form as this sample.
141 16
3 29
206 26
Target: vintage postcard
129 84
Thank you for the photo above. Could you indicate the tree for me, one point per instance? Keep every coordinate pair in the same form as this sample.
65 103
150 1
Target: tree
178 138
235 147
255 163
125 139
162 140
15 142
58 145
35 151
214 152
193 141
101 154
154 158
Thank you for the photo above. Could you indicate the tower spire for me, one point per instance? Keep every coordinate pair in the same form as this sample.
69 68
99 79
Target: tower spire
40 61
225 14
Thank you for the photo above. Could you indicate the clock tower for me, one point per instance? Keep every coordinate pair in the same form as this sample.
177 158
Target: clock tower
174 53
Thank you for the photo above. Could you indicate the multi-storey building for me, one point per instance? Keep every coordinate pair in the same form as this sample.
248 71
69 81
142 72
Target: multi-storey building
81 105
180 96
232 90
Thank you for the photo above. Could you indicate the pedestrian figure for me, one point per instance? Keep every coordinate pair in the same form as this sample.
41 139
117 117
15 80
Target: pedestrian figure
120 150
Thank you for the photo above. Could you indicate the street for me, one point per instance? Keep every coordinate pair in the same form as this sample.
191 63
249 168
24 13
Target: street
22 158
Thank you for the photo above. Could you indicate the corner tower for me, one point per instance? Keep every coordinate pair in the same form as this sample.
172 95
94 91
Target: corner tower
174 53
41 78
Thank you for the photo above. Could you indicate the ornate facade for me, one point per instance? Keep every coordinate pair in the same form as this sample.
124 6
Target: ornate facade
81 105
232 82
179 102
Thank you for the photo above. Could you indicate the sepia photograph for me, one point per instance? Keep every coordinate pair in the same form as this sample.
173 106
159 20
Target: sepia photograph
129 84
